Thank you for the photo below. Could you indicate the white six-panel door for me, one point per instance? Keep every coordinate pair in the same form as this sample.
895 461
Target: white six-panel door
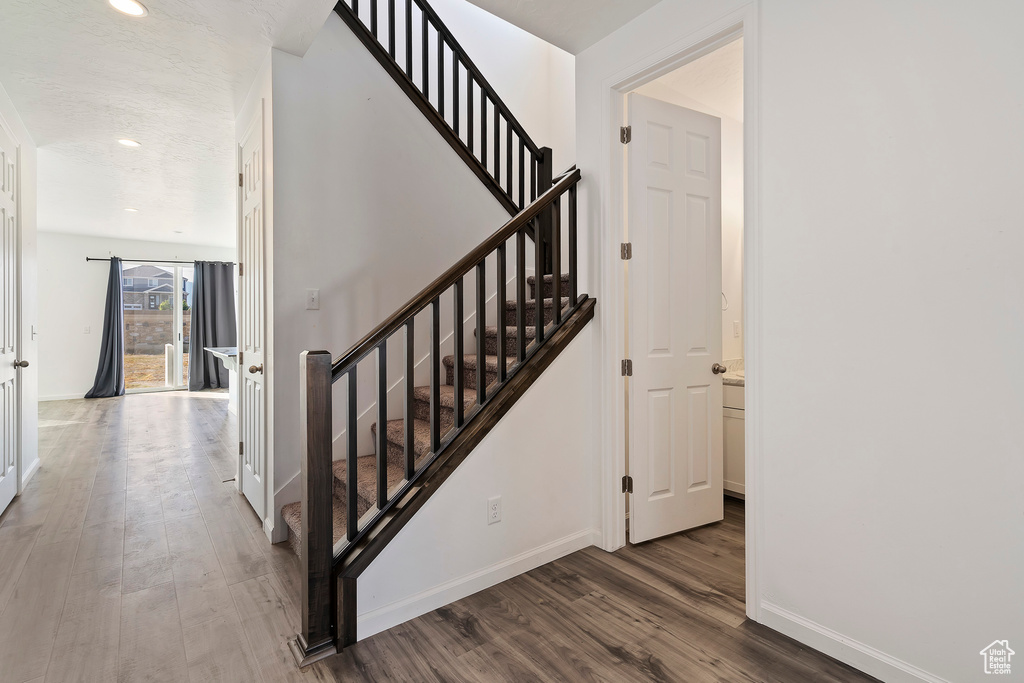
9 400
674 280
252 329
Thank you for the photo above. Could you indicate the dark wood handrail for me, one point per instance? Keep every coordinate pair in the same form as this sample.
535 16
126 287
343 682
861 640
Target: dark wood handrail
395 322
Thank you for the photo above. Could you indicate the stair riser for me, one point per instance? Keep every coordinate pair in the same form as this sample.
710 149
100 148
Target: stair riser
531 314
549 288
468 376
511 337
394 459
341 495
422 412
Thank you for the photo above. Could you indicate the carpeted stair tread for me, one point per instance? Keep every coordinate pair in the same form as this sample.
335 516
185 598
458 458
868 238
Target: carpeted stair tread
530 309
396 437
511 339
548 285
469 369
421 403
292 514
366 480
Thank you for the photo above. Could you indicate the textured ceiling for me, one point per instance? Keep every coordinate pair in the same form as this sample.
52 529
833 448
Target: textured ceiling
573 25
715 80
83 75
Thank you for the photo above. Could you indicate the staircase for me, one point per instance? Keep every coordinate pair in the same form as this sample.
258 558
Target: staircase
352 507
366 480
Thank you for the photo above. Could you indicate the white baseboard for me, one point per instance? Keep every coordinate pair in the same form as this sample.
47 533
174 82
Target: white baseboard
30 472
62 397
858 655
401 611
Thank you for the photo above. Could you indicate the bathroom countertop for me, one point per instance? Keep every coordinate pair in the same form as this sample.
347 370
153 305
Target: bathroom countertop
734 379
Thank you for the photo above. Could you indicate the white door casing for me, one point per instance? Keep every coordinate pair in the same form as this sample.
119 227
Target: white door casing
252 322
675 326
10 414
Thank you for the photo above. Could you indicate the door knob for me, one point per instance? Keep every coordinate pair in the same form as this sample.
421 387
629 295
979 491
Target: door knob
718 368
253 369
21 363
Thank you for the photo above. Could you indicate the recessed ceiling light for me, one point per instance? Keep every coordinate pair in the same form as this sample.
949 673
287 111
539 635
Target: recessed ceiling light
177 232
132 210
129 143
132 8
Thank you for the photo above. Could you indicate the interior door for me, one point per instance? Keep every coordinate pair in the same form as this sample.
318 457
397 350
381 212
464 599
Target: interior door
675 280
9 363
252 331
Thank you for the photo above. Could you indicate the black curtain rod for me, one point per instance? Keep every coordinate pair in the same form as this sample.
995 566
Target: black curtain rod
149 260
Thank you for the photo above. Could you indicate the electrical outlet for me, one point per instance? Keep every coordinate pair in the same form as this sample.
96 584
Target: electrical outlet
494 510
735 328
312 299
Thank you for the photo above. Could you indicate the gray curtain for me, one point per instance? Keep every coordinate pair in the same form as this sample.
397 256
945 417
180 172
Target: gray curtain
213 324
110 369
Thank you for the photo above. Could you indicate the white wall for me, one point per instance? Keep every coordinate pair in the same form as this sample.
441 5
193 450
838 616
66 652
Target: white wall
537 459
28 349
376 203
732 208
72 296
891 525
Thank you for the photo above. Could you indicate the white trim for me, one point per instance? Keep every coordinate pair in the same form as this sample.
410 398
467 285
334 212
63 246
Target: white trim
30 472
403 610
858 655
658 61
61 397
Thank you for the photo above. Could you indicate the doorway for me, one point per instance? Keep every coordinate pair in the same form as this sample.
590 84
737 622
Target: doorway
736 311
157 322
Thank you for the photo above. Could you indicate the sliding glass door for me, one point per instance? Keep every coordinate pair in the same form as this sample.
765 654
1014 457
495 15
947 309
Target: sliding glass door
157 322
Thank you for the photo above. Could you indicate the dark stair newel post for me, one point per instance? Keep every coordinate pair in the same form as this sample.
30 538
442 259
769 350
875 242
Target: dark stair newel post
317 638
546 219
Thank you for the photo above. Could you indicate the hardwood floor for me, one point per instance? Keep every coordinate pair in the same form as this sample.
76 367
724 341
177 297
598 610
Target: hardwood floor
131 558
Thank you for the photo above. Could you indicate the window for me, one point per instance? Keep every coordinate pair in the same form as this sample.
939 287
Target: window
128 282
153 283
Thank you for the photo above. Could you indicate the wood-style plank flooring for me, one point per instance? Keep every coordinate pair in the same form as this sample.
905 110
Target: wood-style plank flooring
131 558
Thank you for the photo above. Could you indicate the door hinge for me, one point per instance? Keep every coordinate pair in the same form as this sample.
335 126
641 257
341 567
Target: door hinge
239 270
241 449
627 484
626 250
240 180
627 367
625 134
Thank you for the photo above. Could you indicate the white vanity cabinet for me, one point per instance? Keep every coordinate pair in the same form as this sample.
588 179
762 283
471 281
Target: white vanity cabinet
733 443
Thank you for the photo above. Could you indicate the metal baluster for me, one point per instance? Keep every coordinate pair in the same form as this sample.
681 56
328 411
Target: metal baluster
483 127
455 91
382 424
521 294
373 17
391 28
556 262
410 399
470 121
508 158
538 279
497 144
460 355
426 51
352 429
573 273
355 7
522 173
408 38
481 330
500 307
440 74
435 375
